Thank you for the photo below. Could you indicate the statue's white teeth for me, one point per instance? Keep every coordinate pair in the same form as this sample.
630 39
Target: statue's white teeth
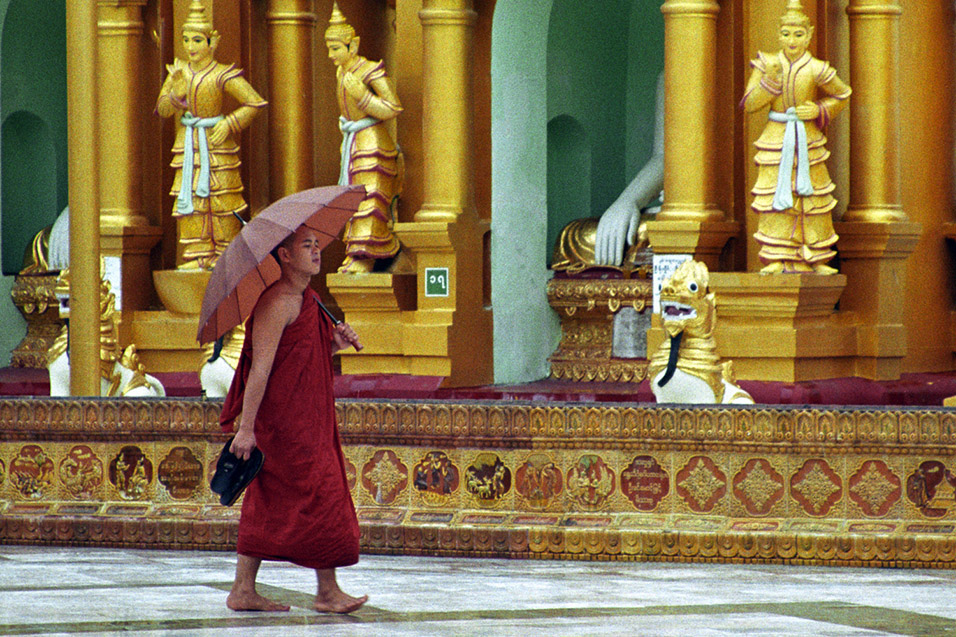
678 311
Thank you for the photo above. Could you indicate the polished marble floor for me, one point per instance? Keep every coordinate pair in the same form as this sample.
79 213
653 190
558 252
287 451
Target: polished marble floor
66 591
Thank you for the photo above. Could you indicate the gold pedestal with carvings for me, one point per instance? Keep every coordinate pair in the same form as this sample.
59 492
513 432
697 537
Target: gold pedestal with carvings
33 294
587 308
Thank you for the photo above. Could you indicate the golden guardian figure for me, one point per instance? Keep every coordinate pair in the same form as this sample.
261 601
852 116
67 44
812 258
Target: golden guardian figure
369 154
793 193
207 185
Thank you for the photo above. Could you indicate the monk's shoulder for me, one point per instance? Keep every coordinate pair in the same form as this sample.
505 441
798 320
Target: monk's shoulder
275 306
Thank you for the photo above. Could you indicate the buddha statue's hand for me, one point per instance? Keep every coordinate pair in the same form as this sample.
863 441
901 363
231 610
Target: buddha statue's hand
808 110
353 86
218 133
617 227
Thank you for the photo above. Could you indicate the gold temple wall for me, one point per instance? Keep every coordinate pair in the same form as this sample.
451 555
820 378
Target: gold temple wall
392 29
596 481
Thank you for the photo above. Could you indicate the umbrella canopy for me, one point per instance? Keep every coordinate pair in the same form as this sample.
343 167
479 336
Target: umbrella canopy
246 267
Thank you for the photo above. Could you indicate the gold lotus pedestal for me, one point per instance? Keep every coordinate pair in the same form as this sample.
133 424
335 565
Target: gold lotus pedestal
588 309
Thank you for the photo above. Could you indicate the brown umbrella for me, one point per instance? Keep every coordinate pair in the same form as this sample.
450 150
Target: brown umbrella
246 267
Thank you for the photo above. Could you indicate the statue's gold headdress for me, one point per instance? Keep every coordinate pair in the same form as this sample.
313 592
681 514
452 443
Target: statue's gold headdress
794 14
197 20
339 29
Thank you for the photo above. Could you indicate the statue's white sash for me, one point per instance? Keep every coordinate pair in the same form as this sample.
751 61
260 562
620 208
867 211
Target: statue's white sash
794 133
184 202
349 128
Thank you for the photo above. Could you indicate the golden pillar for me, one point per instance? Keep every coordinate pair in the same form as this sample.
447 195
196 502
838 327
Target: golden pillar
84 198
690 221
875 235
125 231
448 98
119 39
874 111
291 54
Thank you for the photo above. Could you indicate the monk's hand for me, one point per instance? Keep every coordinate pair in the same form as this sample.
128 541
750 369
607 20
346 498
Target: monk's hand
344 336
808 110
353 86
243 443
217 134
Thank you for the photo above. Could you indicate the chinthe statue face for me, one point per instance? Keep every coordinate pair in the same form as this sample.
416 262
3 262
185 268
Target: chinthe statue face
198 47
794 39
339 52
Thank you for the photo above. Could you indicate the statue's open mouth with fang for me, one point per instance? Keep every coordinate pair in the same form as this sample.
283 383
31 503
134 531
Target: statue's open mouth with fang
671 310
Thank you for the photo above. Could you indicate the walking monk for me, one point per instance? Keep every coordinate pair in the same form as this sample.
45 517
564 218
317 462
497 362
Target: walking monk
298 508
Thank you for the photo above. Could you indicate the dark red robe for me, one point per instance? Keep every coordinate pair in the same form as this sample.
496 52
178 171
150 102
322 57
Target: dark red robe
298 508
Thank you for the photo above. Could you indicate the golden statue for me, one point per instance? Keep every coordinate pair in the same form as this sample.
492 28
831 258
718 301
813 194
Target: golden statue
618 237
793 193
207 185
369 154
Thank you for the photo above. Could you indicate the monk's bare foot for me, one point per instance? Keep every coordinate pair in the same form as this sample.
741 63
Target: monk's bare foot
253 601
338 602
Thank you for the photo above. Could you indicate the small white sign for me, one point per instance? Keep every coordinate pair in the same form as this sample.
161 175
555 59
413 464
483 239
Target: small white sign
664 266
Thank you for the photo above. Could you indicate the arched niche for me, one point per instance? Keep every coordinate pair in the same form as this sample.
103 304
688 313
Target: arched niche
27 184
551 58
569 173
33 137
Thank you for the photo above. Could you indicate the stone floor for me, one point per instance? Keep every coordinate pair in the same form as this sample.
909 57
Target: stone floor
66 591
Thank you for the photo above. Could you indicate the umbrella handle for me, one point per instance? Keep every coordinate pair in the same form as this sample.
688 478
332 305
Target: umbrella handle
355 342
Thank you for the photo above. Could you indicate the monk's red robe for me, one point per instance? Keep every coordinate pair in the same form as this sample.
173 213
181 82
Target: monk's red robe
298 508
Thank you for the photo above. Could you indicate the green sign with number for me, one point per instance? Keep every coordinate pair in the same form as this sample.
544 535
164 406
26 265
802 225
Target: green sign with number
436 281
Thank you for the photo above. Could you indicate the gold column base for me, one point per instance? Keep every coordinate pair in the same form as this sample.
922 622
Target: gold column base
376 306
779 327
132 244
703 239
873 257
450 336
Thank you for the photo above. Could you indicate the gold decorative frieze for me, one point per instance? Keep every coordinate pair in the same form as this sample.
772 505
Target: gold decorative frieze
571 295
582 481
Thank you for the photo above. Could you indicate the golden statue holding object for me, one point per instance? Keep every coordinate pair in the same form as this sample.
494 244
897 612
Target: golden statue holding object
793 193
207 185
369 154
